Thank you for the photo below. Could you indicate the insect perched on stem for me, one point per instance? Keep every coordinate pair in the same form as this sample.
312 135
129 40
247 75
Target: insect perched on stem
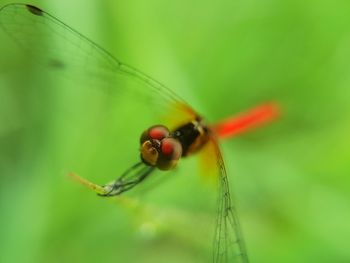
162 144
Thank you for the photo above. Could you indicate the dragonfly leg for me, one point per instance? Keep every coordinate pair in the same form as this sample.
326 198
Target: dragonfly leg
130 178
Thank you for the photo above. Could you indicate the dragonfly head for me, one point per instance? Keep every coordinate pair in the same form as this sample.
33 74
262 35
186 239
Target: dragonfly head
159 149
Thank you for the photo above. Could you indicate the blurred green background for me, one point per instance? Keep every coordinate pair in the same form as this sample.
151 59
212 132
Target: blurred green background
290 180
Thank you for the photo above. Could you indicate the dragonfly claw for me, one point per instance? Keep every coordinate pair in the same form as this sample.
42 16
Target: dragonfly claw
112 189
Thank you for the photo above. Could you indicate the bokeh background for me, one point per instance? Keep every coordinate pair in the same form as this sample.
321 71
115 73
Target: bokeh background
290 180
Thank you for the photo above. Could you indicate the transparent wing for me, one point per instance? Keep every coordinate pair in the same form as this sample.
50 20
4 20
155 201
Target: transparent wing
228 243
70 55
61 48
102 103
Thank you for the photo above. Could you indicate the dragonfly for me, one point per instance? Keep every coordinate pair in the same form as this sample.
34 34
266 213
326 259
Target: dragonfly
164 141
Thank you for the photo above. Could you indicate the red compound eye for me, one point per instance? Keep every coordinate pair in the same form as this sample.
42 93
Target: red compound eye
158 132
167 147
171 148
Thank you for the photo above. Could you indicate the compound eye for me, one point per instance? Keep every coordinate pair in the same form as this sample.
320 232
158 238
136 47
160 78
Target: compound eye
171 149
158 132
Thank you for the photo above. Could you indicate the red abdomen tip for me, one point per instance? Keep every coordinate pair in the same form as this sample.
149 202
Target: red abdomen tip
248 120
